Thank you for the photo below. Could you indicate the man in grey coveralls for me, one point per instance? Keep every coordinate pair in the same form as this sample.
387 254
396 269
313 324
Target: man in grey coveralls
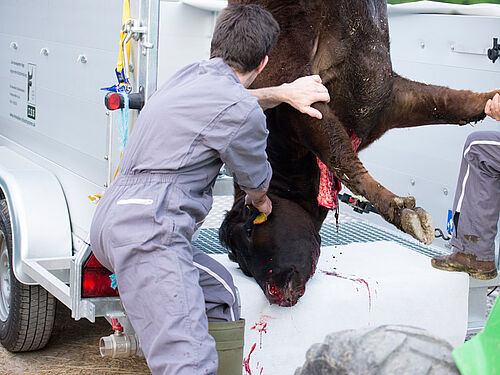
142 229
477 204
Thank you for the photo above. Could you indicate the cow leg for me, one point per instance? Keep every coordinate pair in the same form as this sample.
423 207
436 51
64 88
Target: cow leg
329 140
414 104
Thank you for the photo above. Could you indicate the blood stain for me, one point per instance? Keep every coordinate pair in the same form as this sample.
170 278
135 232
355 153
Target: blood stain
246 361
260 327
356 280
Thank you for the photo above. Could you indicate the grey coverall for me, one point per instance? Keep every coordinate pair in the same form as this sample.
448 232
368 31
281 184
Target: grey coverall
142 228
477 198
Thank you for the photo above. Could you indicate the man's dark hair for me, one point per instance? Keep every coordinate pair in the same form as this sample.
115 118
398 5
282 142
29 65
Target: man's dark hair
243 36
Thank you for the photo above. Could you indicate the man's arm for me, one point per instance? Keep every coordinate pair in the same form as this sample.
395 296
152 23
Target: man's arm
245 155
492 108
300 94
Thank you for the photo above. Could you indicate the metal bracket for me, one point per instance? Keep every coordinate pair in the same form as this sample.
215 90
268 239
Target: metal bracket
138 33
494 53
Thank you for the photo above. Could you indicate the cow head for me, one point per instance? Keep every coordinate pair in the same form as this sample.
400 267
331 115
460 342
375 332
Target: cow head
281 254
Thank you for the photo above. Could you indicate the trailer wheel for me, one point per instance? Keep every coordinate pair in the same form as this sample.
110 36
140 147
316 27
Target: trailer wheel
26 311
385 350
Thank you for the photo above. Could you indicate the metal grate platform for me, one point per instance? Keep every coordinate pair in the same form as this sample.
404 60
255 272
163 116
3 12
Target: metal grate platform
349 232
351 229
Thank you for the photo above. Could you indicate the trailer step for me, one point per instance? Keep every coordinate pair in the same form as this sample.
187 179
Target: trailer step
40 271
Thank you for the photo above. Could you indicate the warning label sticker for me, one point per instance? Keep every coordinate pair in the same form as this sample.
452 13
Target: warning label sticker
22 92
31 109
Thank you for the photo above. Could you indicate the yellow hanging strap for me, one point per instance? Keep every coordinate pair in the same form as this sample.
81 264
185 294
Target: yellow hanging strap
120 64
118 168
95 197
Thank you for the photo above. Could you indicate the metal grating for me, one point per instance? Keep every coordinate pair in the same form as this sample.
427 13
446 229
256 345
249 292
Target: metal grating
208 241
349 232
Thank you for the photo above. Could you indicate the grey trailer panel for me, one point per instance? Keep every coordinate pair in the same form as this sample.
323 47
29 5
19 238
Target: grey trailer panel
69 132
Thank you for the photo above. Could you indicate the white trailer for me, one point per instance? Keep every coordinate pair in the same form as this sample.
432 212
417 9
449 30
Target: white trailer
59 146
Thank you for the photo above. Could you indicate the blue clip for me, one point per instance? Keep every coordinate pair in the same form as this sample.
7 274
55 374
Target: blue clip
114 284
123 84
449 223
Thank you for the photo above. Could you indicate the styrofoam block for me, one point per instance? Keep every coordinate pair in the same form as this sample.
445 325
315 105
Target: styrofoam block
355 286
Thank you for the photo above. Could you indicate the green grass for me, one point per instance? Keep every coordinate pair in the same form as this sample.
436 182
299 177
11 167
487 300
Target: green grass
465 2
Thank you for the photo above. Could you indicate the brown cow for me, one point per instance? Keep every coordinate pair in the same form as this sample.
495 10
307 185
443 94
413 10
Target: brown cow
346 42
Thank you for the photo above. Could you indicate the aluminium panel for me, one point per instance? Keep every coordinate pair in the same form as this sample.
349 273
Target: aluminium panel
444 50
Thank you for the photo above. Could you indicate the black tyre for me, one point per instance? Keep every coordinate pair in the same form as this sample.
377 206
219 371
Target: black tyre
385 350
26 311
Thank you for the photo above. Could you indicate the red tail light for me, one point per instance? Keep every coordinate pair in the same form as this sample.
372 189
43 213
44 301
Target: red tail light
113 101
95 280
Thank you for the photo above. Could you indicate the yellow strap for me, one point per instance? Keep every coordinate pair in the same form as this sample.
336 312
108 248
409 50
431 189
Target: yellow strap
95 197
125 17
118 168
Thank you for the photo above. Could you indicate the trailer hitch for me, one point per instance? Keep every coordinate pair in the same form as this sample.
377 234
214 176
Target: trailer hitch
494 53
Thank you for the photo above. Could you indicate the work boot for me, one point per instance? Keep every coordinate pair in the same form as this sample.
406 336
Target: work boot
462 262
229 340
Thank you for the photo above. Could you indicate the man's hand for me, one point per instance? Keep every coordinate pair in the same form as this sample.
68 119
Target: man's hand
492 107
263 203
300 94
305 91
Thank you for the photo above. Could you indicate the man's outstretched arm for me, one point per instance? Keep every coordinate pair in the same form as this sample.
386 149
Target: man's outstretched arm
300 94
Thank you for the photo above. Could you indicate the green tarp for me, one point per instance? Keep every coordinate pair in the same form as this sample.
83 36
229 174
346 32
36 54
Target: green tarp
481 354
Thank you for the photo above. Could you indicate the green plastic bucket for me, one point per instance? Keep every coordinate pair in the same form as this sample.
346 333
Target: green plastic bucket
229 340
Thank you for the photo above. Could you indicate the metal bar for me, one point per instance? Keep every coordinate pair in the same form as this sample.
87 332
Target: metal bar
50 264
47 280
76 284
148 57
107 306
110 148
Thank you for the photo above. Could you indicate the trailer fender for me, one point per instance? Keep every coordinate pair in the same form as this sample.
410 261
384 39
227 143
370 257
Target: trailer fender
38 212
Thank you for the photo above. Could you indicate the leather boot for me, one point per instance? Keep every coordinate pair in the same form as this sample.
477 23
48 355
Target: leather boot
462 262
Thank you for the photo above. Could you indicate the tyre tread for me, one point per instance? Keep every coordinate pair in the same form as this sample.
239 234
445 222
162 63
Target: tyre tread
30 324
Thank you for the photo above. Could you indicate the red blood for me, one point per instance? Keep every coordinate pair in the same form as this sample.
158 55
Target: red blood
358 280
246 361
260 327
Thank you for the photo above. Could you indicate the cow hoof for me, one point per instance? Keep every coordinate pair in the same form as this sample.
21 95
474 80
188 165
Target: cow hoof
399 203
418 223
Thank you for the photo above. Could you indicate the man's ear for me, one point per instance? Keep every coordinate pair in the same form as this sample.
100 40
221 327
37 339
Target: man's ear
262 64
